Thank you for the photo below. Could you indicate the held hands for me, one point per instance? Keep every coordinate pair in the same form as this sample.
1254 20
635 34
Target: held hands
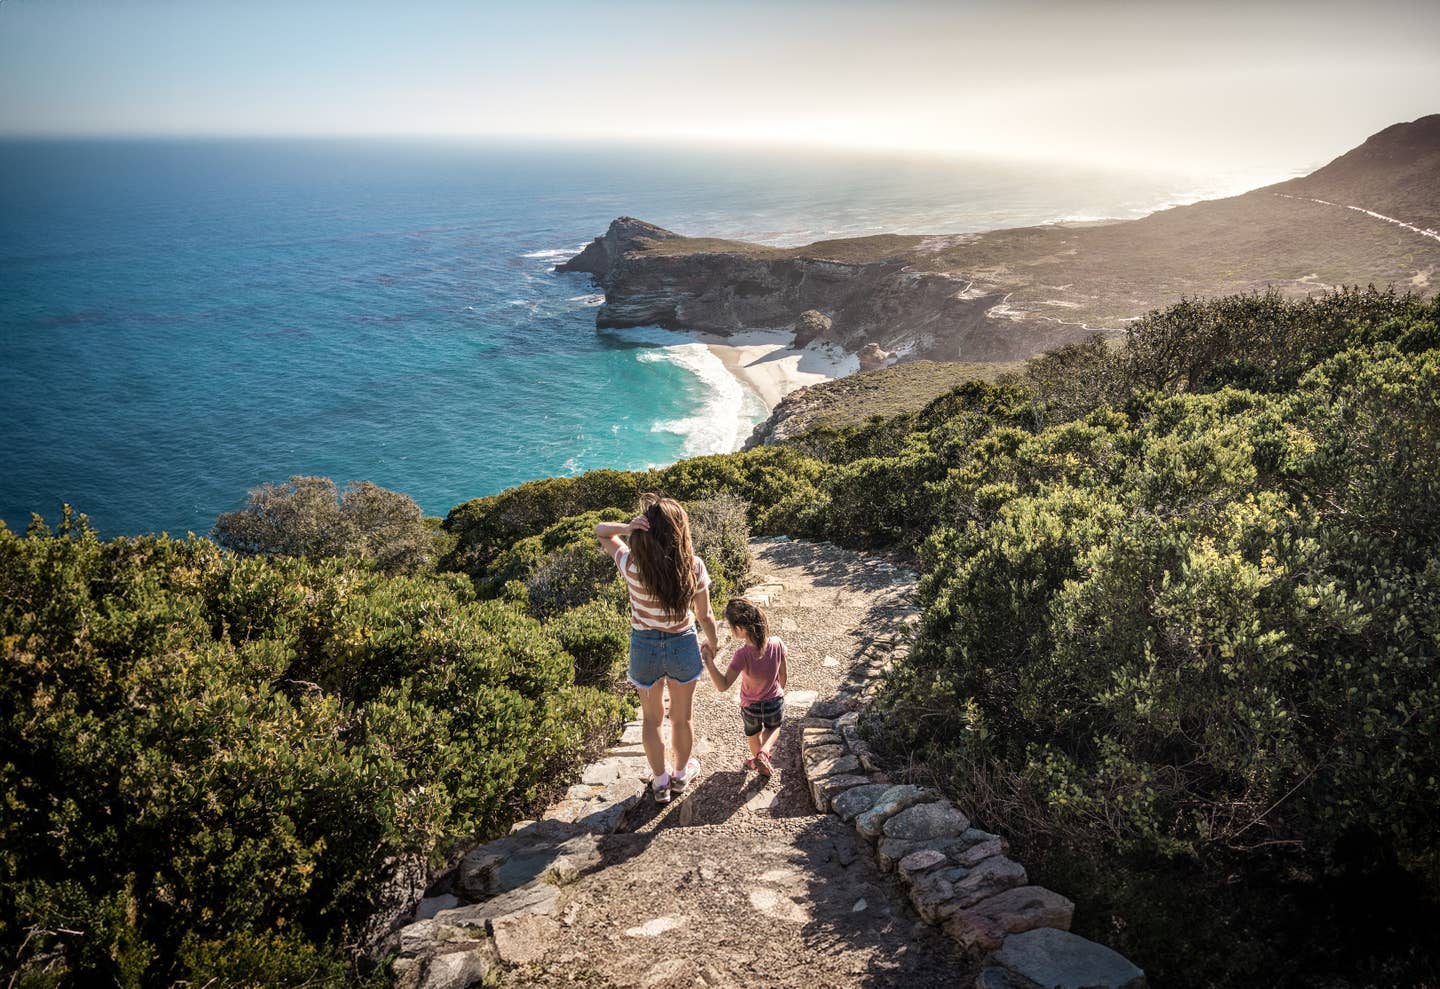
707 653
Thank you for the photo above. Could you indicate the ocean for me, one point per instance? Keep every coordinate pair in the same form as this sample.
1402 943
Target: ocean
181 320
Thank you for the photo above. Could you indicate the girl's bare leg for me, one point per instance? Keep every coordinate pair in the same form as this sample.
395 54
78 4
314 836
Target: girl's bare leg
682 736
652 715
767 738
754 742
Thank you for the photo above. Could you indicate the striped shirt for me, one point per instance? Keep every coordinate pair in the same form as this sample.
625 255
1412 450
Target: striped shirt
646 611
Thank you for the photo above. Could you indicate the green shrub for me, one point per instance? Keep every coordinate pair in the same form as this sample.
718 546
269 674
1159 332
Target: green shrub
307 516
202 752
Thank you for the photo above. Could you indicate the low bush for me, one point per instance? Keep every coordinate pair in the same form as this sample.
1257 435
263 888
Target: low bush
308 516
211 763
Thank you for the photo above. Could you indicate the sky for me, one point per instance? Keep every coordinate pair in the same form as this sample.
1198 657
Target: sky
1279 85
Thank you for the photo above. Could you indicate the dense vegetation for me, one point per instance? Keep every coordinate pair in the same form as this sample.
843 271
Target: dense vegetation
1181 641
1182 620
215 763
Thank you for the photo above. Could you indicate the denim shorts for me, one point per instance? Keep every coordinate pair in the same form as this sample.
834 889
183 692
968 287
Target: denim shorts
763 714
655 654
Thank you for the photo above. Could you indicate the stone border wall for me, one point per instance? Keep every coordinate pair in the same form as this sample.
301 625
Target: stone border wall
958 877
500 904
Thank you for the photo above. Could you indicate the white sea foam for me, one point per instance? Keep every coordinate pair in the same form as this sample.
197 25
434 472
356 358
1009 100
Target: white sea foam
716 427
593 299
555 254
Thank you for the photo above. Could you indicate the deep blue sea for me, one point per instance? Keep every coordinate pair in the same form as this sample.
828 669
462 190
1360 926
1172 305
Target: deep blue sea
182 320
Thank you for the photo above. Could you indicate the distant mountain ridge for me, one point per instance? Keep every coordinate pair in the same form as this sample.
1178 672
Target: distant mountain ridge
1008 294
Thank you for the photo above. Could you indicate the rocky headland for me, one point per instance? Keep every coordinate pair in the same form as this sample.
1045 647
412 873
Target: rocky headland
1369 217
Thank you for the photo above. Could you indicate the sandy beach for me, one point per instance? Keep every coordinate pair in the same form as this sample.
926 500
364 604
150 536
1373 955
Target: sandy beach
768 363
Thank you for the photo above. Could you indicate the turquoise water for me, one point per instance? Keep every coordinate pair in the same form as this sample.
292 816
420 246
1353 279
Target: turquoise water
180 321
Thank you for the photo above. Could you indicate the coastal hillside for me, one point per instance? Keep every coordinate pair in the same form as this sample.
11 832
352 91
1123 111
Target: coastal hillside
1009 294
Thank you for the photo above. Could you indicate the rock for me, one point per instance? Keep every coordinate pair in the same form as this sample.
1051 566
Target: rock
994 875
459 967
829 662
538 898
1055 959
600 809
525 856
980 851
827 709
933 893
614 769
523 938
926 822
847 720
892 802
857 800
810 326
831 766
889 851
859 906
815 737
873 357
802 700
634 733
824 790
920 861
984 926
813 722
432 905
625 234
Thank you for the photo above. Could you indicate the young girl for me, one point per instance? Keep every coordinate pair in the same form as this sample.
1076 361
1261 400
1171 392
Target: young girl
759 665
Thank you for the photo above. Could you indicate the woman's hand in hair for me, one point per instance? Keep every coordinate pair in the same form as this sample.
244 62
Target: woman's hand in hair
639 524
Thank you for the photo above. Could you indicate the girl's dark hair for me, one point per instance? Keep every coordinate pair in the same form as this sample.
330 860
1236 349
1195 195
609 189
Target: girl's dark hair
664 555
748 619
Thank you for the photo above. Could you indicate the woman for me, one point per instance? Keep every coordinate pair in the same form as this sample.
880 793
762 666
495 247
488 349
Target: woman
669 592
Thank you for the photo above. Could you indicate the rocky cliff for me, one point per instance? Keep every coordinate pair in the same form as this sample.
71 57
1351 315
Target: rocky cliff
1008 294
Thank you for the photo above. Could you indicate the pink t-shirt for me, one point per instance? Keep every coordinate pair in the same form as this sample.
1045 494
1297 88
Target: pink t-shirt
759 672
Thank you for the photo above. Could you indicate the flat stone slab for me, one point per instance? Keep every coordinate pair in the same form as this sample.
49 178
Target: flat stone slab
616 768
600 809
1048 958
525 856
920 861
538 898
843 765
926 822
854 802
898 798
823 791
994 875
984 926
821 752
816 737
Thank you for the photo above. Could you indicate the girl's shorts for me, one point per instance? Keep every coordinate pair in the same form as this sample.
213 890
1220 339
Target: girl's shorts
655 654
763 714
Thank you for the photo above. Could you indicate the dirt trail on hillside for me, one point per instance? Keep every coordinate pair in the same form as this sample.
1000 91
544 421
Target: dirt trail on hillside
739 882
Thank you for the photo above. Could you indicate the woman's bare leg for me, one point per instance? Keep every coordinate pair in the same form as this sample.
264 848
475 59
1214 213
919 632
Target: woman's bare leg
652 715
682 736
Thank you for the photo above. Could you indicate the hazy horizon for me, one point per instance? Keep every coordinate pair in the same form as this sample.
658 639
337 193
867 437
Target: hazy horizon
1267 87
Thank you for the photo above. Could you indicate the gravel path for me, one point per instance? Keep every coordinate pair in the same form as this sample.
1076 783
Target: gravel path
739 882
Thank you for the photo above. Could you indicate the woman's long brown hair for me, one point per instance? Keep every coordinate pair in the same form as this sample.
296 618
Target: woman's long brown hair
664 556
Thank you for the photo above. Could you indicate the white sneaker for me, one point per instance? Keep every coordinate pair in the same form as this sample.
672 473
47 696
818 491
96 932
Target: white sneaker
680 780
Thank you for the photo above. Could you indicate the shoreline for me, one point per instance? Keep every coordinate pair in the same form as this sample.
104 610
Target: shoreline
769 366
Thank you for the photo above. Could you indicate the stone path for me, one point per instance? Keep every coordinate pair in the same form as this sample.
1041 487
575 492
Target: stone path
739 881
